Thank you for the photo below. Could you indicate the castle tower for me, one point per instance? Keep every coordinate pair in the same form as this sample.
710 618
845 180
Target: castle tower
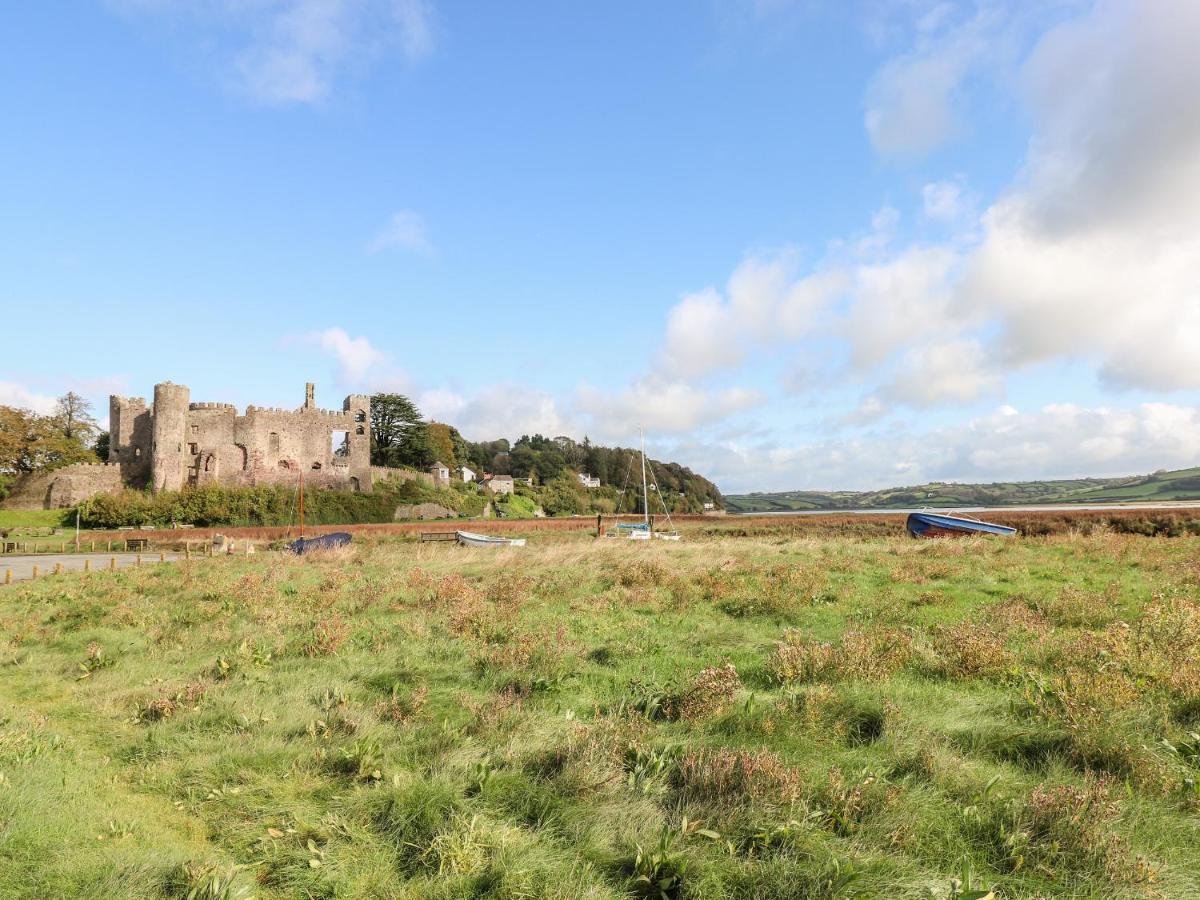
309 398
130 436
358 407
170 423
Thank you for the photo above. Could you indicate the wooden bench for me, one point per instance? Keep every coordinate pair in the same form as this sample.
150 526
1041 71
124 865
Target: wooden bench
132 544
438 536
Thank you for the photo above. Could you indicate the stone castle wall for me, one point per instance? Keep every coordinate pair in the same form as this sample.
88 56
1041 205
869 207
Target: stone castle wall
175 443
65 487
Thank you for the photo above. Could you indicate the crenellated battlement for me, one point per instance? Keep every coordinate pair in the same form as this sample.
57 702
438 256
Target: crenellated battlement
205 406
277 411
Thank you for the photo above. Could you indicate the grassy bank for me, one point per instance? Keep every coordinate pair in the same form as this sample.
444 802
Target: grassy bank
772 716
35 518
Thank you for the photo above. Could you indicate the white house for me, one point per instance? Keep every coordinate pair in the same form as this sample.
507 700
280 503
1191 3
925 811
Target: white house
589 481
467 475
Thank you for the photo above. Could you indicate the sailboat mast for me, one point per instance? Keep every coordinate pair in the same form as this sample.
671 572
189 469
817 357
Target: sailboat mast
645 492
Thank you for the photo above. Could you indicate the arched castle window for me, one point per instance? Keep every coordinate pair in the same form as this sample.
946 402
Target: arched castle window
360 416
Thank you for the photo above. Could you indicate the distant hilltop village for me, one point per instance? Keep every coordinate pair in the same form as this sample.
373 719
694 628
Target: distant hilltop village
174 443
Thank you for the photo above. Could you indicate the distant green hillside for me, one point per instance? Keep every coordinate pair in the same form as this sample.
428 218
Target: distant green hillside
1183 484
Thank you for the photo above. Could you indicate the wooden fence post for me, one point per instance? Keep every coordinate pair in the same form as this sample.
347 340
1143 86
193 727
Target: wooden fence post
58 568
139 559
8 576
35 571
87 565
112 564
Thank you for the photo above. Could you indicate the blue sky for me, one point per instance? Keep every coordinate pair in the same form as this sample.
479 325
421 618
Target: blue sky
805 244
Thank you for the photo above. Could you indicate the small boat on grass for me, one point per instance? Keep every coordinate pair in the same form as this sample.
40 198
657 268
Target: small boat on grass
472 539
931 524
321 542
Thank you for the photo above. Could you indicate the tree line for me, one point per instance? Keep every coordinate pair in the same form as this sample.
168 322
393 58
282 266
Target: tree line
401 437
33 442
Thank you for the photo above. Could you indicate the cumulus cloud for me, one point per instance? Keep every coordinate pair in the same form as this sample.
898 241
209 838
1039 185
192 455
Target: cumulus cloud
503 410
405 230
359 362
660 406
897 301
765 302
294 51
1096 250
943 372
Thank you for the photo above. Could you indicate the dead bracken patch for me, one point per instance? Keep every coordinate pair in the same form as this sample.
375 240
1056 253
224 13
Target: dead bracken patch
740 775
861 655
970 650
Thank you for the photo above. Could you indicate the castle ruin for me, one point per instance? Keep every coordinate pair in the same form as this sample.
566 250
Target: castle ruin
174 443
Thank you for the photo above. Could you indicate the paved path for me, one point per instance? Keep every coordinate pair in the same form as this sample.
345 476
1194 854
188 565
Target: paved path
22 566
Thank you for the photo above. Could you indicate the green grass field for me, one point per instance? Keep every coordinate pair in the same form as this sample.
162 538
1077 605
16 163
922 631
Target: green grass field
33 518
759 717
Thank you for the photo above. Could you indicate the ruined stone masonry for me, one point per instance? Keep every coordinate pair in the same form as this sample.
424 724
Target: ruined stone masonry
174 443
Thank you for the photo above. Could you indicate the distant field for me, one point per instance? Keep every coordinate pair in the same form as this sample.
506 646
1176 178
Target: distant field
1182 484
780 715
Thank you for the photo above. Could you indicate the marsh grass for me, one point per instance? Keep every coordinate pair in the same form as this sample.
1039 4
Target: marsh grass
778 715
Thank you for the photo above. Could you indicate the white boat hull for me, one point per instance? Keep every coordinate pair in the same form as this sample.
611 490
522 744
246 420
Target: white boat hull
471 539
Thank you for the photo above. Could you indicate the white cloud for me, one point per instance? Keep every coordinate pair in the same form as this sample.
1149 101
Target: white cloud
660 406
13 394
505 410
404 231
359 362
911 103
897 301
1095 251
870 409
943 200
942 372
765 302
294 51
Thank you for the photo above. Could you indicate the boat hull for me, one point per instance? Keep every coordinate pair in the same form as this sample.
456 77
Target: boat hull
471 539
928 525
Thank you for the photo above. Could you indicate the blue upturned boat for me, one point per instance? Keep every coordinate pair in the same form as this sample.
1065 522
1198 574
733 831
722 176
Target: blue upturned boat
322 542
929 524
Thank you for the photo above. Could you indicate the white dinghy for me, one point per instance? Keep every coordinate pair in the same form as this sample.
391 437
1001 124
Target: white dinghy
472 539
